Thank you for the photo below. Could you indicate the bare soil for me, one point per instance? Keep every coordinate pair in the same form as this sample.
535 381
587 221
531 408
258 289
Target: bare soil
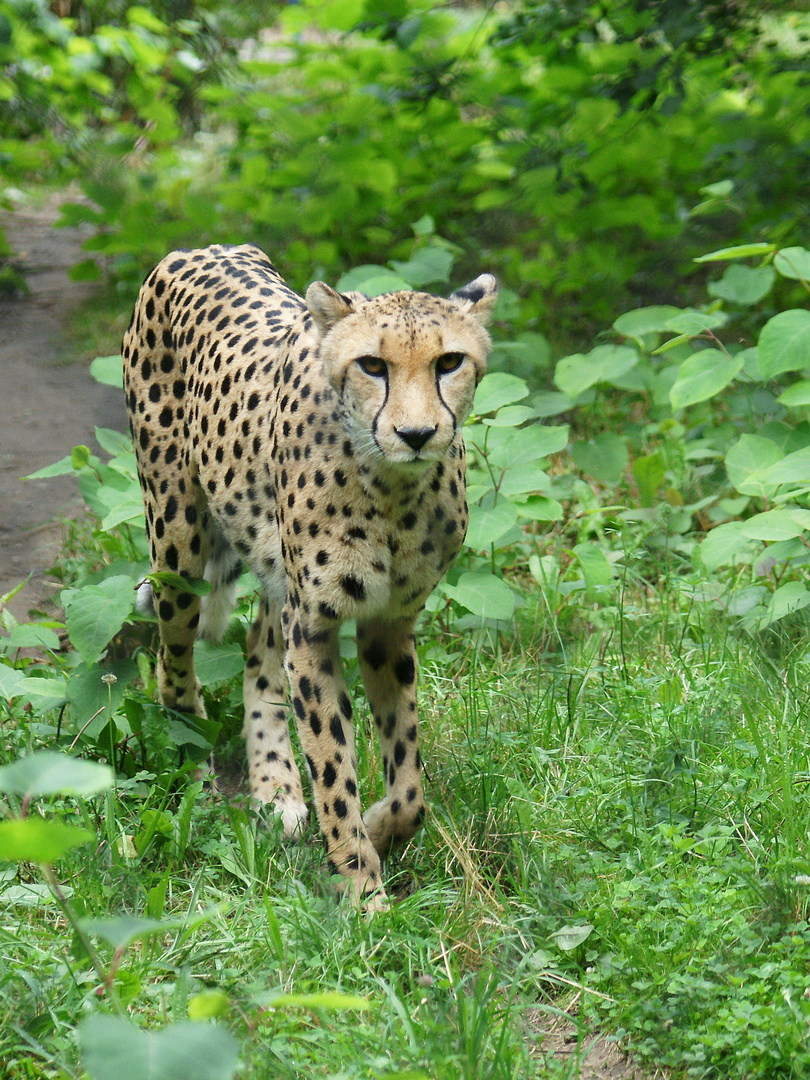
48 405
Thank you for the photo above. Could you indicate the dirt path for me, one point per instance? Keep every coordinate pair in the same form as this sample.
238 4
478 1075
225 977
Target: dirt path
48 405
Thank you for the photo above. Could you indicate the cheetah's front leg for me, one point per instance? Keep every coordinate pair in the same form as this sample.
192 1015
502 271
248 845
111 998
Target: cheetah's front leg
388 664
324 714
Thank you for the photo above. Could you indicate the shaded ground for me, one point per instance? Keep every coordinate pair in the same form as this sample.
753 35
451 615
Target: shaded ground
48 405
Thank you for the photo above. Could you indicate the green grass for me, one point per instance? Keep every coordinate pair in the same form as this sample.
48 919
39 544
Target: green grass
647 784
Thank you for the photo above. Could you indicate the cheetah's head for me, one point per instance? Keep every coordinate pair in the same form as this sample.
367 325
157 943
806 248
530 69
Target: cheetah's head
404 365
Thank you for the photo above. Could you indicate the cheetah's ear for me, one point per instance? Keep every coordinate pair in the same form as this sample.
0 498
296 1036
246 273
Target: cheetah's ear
478 298
326 306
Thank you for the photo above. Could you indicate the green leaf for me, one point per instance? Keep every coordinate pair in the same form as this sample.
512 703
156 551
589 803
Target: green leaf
595 568
330 1000
722 545
372 280
33 839
121 930
31 636
702 376
46 772
197 586
88 693
95 613
208 1005
568 938
693 323
483 594
11 682
603 457
114 443
59 468
45 692
741 284
647 320
784 343
114 1049
793 262
751 454
788 598
792 469
488 525
577 373
216 662
511 447
496 389
796 395
649 471
777 524
510 416
540 508
426 266
742 251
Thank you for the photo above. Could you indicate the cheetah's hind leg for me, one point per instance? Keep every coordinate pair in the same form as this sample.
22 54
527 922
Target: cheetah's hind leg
222 572
274 776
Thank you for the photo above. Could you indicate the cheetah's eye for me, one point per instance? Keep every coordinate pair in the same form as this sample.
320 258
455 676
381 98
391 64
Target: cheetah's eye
449 361
372 365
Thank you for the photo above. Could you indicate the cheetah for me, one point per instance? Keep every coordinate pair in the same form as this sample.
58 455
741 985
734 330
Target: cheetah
318 441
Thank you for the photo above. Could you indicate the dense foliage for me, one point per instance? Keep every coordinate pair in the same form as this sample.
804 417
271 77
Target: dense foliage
613 667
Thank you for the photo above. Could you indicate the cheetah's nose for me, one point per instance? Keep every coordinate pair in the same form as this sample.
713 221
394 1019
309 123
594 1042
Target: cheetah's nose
415 437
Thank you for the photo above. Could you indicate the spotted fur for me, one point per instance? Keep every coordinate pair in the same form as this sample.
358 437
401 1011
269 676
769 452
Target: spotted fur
319 442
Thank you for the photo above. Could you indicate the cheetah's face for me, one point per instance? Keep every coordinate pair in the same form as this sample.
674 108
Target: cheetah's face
404 365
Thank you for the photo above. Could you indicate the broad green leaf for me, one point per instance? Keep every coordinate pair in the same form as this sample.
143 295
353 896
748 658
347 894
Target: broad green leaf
741 251
87 692
511 447
496 389
540 508
647 320
33 839
788 598
595 568
792 469
751 454
570 937
796 395
372 280
46 772
741 284
216 662
523 479
777 524
108 370
43 692
784 343
95 613
11 682
114 1049
330 1000
575 374
603 457
488 525
59 468
510 416
208 1005
649 471
696 322
483 594
197 586
113 442
32 636
426 266
723 545
121 930
793 262
702 376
